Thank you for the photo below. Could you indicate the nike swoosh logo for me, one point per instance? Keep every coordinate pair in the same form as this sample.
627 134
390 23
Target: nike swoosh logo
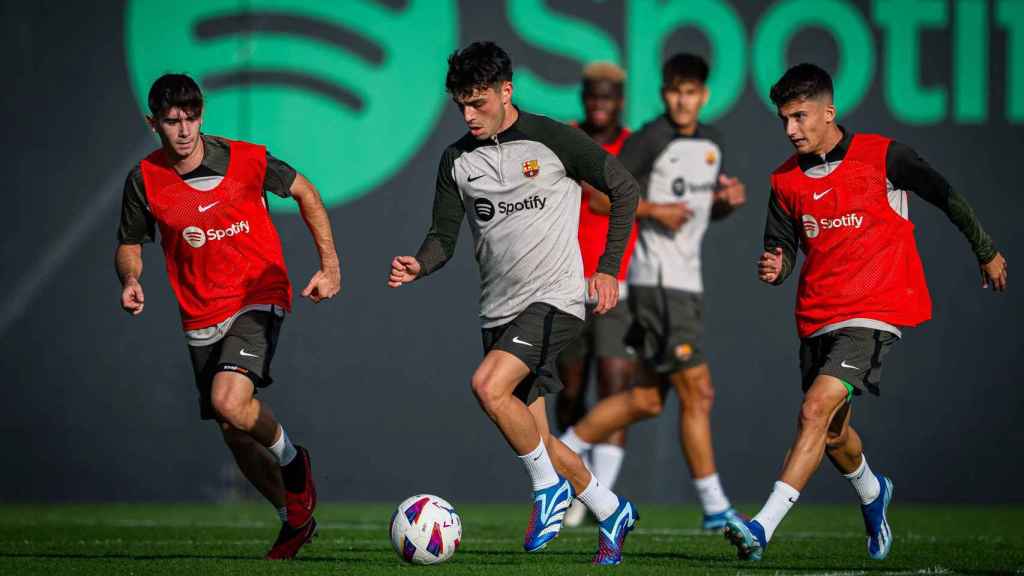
203 208
477 177
820 195
845 365
242 352
524 343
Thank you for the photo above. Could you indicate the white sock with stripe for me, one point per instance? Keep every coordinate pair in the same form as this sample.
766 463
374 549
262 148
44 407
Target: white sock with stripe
601 501
864 482
779 502
539 467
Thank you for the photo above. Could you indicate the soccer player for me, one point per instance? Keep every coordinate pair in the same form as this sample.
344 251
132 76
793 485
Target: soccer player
227 270
515 176
602 338
843 198
678 162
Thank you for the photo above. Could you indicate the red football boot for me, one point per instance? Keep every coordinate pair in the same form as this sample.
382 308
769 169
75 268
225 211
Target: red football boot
301 504
290 540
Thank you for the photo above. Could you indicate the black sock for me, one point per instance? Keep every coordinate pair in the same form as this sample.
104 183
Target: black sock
294 474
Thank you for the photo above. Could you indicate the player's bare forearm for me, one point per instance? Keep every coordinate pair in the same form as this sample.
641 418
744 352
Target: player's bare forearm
128 262
314 213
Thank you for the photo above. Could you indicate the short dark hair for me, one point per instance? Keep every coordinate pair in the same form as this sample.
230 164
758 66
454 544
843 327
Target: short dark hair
684 67
477 66
175 91
801 82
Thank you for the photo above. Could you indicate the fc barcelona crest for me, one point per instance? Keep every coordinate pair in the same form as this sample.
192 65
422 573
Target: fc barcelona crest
531 168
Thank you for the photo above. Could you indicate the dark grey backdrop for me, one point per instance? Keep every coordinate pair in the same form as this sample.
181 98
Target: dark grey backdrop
98 405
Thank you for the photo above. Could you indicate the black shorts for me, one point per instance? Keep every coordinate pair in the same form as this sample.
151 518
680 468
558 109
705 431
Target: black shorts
536 336
853 355
602 336
247 348
668 327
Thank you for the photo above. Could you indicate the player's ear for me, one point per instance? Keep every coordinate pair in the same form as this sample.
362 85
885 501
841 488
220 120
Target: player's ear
506 92
830 112
151 122
706 96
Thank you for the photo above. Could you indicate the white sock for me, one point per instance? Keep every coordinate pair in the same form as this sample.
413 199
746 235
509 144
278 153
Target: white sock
538 465
282 449
600 500
607 461
779 502
711 495
574 442
282 513
864 482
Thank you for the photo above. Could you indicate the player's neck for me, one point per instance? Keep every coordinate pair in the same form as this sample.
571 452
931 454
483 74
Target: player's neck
186 164
602 135
511 115
831 140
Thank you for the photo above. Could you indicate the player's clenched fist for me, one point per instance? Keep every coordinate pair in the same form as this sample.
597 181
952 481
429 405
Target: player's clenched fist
770 266
132 298
404 269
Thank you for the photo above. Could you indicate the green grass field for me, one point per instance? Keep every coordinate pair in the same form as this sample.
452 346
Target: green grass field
230 539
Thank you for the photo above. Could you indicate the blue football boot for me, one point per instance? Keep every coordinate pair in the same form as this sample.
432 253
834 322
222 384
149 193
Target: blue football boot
716 522
549 506
747 537
875 521
611 534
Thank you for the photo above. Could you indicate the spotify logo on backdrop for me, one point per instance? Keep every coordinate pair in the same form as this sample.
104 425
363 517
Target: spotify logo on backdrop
334 88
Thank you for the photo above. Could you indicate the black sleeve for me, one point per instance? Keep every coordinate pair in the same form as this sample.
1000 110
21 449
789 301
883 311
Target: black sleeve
587 161
906 170
137 224
781 231
637 156
439 245
280 177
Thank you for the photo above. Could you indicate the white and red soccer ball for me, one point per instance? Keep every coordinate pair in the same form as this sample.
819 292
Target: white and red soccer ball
425 529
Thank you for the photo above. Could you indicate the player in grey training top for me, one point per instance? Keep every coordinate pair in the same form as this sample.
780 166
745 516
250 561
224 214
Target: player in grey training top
515 175
678 163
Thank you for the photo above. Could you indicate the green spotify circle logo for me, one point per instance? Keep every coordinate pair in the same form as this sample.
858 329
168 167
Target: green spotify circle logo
344 91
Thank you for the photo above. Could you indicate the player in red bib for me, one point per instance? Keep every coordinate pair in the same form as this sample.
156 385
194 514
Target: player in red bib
226 268
602 338
843 199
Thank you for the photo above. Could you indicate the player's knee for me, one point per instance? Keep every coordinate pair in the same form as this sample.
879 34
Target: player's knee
698 395
229 406
486 391
814 412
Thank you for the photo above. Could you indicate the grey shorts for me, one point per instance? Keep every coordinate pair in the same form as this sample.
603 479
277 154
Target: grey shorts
247 348
853 355
668 327
536 336
602 336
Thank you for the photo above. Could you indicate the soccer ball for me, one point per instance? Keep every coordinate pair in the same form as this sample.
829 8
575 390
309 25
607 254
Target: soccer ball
425 529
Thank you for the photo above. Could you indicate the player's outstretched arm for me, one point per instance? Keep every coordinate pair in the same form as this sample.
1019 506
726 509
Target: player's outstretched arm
439 245
908 171
326 282
128 263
